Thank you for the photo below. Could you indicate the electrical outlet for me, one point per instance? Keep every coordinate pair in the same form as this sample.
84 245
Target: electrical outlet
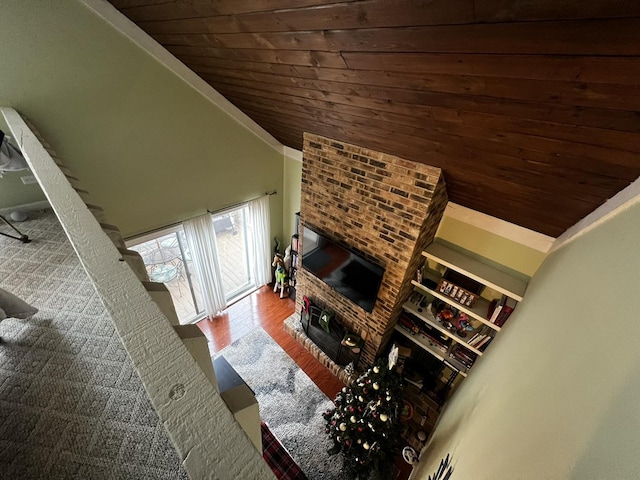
28 179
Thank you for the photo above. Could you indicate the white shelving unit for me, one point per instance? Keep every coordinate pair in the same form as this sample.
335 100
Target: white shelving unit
445 259
480 272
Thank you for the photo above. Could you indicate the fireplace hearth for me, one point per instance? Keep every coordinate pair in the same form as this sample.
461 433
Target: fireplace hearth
331 342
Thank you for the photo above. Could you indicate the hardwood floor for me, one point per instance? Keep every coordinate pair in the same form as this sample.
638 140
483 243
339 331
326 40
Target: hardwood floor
265 309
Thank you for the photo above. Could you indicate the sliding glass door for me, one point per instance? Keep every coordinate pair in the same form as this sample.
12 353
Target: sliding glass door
168 260
233 252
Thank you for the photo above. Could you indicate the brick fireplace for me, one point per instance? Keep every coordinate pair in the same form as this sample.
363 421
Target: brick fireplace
384 207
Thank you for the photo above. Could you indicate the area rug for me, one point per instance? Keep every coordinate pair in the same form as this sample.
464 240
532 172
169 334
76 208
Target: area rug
71 403
289 401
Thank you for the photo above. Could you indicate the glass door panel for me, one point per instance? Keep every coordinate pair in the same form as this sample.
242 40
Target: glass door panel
168 260
233 252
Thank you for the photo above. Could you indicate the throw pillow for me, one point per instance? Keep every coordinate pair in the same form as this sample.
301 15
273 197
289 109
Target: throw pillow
12 306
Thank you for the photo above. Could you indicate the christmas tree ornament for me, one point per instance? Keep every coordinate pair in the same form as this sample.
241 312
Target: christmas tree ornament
366 419
410 456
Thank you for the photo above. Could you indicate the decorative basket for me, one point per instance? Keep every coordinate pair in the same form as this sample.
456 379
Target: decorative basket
456 293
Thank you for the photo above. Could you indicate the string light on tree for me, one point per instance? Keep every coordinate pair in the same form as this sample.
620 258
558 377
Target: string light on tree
365 423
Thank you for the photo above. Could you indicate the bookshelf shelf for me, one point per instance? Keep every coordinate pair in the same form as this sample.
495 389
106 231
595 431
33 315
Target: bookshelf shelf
423 342
499 280
414 310
477 312
432 349
439 261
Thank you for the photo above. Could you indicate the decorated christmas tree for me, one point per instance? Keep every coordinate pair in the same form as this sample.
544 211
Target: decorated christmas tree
365 423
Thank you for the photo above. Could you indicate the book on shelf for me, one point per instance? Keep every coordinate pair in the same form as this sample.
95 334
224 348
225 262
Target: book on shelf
409 323
483 342
507 309
467 362
473 339
477 339
464 356
495 307
483 346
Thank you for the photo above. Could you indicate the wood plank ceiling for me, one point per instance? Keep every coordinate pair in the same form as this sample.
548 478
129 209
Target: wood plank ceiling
530 107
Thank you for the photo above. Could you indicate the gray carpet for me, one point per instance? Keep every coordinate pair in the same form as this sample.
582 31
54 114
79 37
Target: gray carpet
289 401
71 404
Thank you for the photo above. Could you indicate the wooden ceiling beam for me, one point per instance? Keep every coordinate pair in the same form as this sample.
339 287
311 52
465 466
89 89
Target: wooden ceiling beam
339 16
351 96
599 178
545 178
588 69
601 118
278 57
274 15
620 37
149 10
394 85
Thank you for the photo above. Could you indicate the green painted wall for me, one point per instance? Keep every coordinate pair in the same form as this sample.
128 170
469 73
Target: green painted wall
149 148
292 193
13 192
503 251
557 394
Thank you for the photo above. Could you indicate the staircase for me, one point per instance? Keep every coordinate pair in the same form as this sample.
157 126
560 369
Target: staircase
243 404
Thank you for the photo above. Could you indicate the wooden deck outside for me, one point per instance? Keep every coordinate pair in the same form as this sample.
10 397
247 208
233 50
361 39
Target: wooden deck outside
231 243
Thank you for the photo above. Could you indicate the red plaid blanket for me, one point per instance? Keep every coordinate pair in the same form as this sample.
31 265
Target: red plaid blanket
284 467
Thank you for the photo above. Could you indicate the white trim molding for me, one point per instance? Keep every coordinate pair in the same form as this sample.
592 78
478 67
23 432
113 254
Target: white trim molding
113 17
292 153
616 204
510 231
26 207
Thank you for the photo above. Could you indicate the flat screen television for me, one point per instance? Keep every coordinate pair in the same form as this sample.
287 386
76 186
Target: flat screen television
346 272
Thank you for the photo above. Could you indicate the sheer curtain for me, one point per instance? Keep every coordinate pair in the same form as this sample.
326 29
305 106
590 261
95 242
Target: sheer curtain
260 248
201 238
